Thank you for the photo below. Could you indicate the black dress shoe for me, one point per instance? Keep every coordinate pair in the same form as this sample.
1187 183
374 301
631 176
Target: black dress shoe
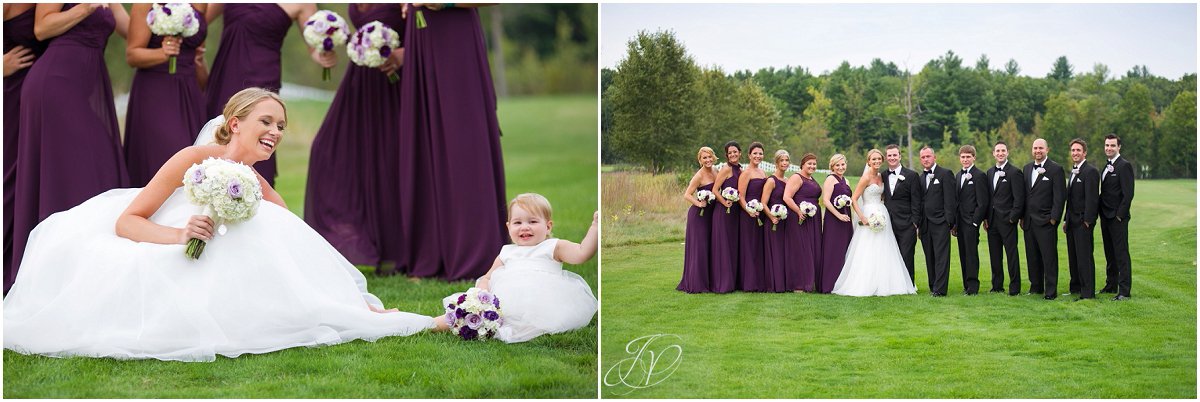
1050 297
1014 293
937 294
1108 290
996 291
965 293
1120 298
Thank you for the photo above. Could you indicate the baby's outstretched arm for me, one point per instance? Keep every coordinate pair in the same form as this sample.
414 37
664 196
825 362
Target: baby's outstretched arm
571 253
485 282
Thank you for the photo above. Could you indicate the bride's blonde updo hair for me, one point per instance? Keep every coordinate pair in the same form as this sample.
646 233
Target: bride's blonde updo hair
874 151
239 106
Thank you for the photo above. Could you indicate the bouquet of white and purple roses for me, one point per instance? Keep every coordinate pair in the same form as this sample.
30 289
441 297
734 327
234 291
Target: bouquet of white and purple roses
754 205
474 314
808 209
172 19
779 211
841 201
875 221
324 30
372 44
731 194
706 197
228 191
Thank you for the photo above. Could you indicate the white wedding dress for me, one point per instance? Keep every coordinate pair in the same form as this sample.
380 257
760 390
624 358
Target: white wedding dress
269 283
874 266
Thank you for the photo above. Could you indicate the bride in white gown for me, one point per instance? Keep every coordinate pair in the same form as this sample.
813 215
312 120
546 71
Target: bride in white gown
267 284
874 266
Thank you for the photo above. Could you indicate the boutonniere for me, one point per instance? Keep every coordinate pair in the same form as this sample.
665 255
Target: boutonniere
1000 173
966 176
1041 170
1075 171
900 177
1109 169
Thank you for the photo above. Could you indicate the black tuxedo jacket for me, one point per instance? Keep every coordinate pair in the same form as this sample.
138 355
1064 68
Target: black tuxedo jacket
1116 190
1045 196
941 197
973 197
905 204
1083 196
1007 194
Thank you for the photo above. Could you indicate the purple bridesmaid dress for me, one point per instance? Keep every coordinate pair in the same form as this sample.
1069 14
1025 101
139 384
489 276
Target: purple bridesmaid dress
725 229
352 189
752 275
775 242
165 110
804 251
18 31
70 143
834 240
451 171
696 247
248 56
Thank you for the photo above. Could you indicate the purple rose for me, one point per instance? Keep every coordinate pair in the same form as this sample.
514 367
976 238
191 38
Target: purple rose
450 318
166 10
462 298
198 175
150 17
187 19
327 44
308 23
485 297
386 35
467 333
385 51
496 302
491 315
451 306
371 29
235 189
460 313
331 17
474 321
331 30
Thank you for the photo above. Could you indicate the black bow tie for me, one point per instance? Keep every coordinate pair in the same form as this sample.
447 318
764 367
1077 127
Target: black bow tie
965 171
927 171
1037 166
1109 163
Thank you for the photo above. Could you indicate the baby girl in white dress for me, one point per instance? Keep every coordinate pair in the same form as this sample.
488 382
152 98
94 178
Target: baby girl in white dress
536 295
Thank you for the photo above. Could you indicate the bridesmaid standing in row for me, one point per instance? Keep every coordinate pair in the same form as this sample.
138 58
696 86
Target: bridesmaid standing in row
752 274
837 229
353 163
69 146
454 217
805 246
696 243
165 110
775 236
250 54
21 50
725 224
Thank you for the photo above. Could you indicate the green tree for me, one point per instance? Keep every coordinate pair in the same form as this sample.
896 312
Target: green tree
1058 126
653 95
1135 125
1177 138
1062 70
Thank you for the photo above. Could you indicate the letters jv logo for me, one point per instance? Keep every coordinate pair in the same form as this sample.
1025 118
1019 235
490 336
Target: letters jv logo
652 358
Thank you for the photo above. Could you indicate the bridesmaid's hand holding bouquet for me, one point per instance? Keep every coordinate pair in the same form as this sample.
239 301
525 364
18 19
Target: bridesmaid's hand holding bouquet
172 21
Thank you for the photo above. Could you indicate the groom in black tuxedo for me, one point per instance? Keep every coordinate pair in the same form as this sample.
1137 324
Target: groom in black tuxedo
902 197
1043 211
940 209
972 210
1007 207
1116 196
1083 201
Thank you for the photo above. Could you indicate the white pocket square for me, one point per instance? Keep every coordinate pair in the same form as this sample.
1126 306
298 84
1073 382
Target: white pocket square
936 181
1004 180
1045 179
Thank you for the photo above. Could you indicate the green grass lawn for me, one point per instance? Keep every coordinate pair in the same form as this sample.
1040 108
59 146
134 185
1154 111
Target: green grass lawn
549 147
756 345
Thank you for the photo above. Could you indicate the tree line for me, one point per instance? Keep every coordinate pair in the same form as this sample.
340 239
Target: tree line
659 106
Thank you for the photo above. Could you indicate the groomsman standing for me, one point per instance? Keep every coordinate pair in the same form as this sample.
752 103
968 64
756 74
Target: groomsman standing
1116 195
1083 201
902 197
940 210
1043 210
1007 207
972 210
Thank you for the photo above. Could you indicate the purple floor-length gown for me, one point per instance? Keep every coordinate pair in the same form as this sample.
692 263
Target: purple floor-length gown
775 243
248 56
352 187
752 275
696 261
165 110
804 251
834 239
18 31
451 173
725 229
70 142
